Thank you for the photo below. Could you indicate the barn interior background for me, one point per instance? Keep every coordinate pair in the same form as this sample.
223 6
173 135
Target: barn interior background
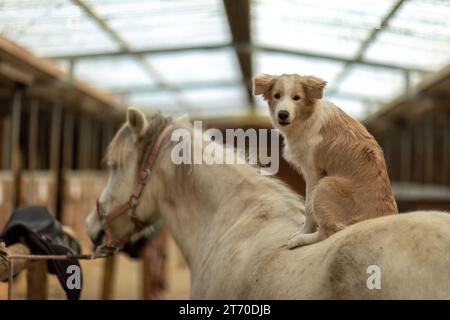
68 69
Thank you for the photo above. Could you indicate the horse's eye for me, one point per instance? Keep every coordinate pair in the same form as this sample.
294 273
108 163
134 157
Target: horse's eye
296 98
276 96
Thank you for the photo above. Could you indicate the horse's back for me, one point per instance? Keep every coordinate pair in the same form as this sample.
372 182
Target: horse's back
394 257
403 256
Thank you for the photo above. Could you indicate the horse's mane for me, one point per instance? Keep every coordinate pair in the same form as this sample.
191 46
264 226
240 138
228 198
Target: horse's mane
271 188
122 141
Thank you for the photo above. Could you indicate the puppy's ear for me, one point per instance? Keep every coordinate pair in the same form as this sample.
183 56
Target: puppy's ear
313 87
263 84
137 121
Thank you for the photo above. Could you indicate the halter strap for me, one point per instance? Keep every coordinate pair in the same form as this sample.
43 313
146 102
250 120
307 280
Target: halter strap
142 178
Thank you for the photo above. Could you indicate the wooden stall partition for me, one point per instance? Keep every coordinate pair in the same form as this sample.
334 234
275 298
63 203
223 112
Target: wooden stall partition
6 206
38 188
80 191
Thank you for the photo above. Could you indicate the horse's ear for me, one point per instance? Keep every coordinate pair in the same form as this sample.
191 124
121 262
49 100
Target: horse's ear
183 118
136 120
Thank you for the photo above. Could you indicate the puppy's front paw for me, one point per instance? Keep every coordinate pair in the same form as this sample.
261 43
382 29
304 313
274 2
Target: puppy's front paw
292 243
296 242
303 239
295 234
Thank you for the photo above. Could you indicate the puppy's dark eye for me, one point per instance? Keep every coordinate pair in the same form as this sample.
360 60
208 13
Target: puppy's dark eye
276 96
296 98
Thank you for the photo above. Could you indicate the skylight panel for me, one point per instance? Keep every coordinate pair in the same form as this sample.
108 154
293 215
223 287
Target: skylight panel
52 28
279 63
113 73
215 98
163 101
417 36
156 24
198 66
372 82
328 27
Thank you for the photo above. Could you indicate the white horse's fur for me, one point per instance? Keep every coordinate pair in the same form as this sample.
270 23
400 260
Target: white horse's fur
232 226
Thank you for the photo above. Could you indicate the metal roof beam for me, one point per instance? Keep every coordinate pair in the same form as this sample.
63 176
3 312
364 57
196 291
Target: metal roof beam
367 42
125 47
225 84
238 14
248 48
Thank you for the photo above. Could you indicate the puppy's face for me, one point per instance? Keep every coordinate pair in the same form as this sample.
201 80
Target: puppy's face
291 97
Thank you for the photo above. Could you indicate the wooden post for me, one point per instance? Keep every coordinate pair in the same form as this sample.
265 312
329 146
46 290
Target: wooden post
68 138
84 143
33 135
37 286
147 288
405 155
429 149
15 157
6 143
33 148
55 137
109 270
446 150
95 152
387 144
19 264
418 154
55 155
154 265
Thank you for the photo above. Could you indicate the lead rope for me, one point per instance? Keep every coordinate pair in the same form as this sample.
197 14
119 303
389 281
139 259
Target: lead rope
9 259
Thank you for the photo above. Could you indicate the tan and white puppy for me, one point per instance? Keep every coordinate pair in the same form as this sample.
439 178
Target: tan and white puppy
342 164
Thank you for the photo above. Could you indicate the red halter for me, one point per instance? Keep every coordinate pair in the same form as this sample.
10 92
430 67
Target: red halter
143 176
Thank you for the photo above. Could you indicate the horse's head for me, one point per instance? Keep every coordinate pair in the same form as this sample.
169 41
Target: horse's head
132 155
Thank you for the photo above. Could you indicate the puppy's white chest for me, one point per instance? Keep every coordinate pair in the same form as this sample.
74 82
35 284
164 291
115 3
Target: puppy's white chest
301 153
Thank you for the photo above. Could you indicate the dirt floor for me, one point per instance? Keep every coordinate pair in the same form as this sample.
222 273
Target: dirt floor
127 283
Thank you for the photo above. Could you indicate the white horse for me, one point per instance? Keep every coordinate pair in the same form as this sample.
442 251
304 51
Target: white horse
232 225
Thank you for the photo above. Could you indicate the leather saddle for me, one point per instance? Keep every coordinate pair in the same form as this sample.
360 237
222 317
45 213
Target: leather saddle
35 227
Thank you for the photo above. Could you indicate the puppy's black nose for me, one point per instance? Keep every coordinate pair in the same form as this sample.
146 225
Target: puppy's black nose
283 115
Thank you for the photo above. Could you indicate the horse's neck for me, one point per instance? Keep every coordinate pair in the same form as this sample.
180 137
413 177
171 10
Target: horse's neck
193 202
206 205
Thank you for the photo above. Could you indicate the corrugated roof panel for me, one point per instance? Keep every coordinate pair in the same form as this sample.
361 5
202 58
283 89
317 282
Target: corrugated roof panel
333 27
279 63
52 27
159 23
372 82
197 66
233 98
113 73
162 100
417 36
